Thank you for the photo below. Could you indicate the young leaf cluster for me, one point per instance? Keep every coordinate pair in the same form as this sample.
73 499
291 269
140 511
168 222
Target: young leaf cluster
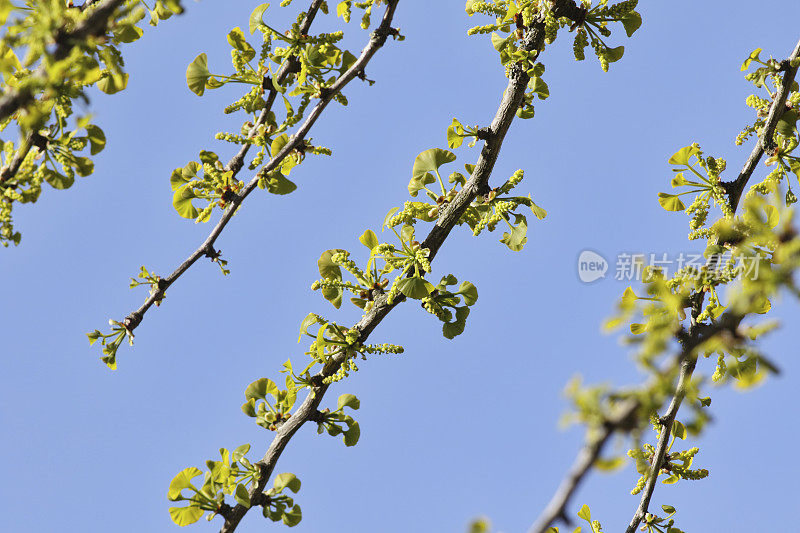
51 53
231 476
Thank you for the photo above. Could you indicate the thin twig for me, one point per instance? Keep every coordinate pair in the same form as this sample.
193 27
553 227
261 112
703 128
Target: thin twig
290 66
556 508
687 367
766 141
377 39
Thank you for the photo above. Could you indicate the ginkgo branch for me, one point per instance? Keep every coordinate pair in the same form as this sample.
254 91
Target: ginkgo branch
478 183
377 39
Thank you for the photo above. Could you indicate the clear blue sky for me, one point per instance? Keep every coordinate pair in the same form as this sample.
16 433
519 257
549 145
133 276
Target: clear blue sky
451 429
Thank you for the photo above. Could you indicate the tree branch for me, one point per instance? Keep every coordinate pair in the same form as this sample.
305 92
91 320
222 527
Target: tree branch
511 101
624 420
95 24
766 142
686 360
237 161
377 40
556 508
687 367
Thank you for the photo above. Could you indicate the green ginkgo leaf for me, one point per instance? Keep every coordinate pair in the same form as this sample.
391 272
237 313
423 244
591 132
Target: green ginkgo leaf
682 156
352 434
348 400
113 83
330 271
327 268
286 480
670 202
369 239
638 329
257 18
197 74
416 184
278 143
430 161
127 33
773 217
753 56
452 329
516 238
469 292
276 183
678 429
242 496
56 180
260 388
538 86
293 516
415 287
184 516
454 134
182 202
538 212
585 513
97 139
632 21
787 123
182 481
499 42
679 180
615 54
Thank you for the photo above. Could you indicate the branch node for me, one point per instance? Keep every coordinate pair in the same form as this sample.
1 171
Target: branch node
318 416
259 499
132 321
293 65
362 75
484 134
580 17
382 32
224 510
39 141
212 254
